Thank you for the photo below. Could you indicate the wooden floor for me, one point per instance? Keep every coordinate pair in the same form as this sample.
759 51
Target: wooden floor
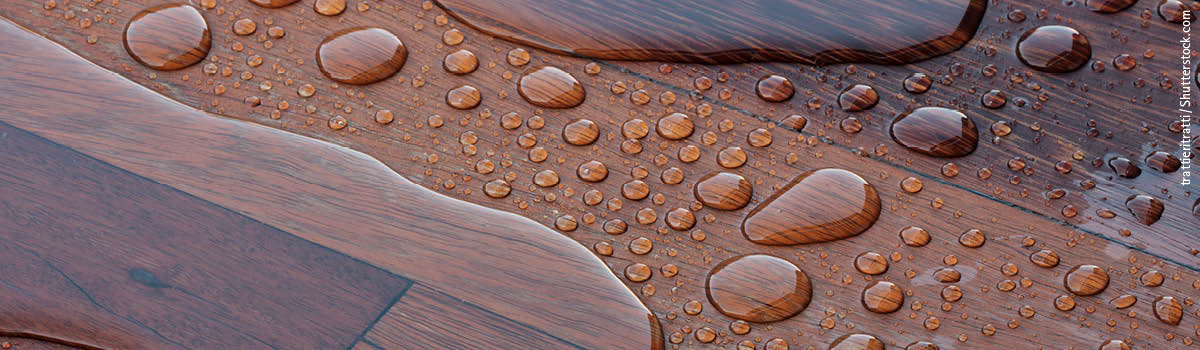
215 207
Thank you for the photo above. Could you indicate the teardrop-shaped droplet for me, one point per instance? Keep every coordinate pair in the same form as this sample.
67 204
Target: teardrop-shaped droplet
1055 49
1145 208
758 288
551 87
817 206
361 55
936 131
168 37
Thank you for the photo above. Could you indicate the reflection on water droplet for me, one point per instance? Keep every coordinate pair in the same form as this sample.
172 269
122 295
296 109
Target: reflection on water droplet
361 55
817 206
463 97
758 288
1055 49
1109 6
551 87
858 98
936 131
168 37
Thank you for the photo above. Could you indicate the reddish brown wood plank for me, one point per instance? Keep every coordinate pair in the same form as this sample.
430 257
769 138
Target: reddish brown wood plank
330 195
96 245
427 317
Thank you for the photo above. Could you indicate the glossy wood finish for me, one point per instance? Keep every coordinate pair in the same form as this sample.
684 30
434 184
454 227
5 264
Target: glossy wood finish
1019 212
327 195
713 31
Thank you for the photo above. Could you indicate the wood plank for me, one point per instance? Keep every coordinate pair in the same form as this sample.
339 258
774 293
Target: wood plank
329 195
428 317
437 158
87 245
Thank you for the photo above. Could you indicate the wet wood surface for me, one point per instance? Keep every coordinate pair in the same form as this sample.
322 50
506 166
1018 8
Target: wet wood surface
1019 211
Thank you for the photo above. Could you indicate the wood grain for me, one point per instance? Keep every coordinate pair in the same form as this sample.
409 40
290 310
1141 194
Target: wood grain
328 195
1018 211
94 255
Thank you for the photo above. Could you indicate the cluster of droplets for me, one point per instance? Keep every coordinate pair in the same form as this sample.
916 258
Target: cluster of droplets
816 206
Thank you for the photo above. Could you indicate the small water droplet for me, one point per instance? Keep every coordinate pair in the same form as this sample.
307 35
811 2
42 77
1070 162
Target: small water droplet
551 87
1085 280
936 131
724 191
1055 49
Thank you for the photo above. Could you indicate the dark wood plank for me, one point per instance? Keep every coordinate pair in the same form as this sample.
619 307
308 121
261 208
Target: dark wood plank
94 242
329 195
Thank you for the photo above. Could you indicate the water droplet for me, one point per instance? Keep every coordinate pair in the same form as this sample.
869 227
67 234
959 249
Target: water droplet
581 132
1168 310
1163 161
592 171
638 272
1055 49
1114 344
463 97
1085 280
815 32
914 236
994 99
460 62
731 157
882 297
922 345
858 98
273 3
1124 167
361 55
675 126
917 83
758 288
724 191
244 27
168 37
1044 258
551 87
1123 301
774 88
871 263
857 341
1109 6
329 7
1145 208
972 238
817 206
936 131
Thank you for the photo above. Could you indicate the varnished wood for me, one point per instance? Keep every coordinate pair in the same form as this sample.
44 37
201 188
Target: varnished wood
1007 212
374 216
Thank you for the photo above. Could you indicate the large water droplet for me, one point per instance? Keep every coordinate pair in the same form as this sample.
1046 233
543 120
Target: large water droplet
168 37
758 288
713 31
858 98
725 191
1145 208
817 206
936 131
361 55
1085 280
1055 49
551 87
